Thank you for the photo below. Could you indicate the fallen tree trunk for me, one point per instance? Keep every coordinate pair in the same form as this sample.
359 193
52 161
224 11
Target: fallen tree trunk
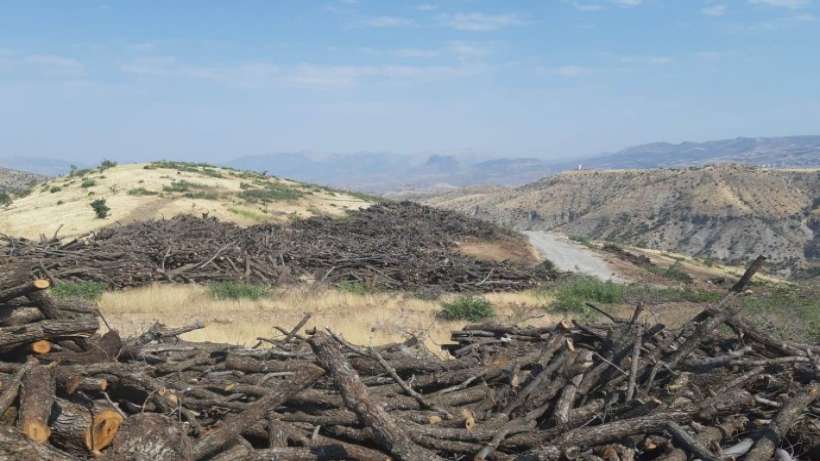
387 433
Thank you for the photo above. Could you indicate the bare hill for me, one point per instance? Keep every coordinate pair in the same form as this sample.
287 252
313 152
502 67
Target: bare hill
139 192
723 212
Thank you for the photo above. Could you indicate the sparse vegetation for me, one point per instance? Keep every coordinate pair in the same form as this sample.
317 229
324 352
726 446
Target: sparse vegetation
791 312
580 239
236 290
88 182
141 191
182 186
101 209
106 164
90 291
269 193
470 308
55 189
673 272
5 198
352 286
572 294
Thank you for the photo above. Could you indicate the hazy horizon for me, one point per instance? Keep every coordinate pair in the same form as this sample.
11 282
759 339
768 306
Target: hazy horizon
208 81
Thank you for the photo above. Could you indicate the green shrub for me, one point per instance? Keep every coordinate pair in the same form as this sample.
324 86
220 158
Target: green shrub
88 182
55 189
237 290
674 272
60 202
790 312
353 286
85 290
5 198
581 240
106 164
183 186
139 191
471 308
100 208
269 193
572 294
202 195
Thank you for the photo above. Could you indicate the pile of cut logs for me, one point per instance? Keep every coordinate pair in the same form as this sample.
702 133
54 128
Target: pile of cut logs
621 390
397 246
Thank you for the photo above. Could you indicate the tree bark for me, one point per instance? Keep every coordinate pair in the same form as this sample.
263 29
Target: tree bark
83 431
16 447
232 426
11 337
386 431
7 294
765 445
150 437
36 397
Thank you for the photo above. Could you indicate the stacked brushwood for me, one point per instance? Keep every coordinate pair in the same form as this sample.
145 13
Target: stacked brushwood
622 390
394 246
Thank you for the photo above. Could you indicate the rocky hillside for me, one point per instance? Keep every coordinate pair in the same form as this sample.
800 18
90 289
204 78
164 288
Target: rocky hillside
727 213
14 181
138 192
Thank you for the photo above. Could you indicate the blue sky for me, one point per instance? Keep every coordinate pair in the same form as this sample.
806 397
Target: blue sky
213 80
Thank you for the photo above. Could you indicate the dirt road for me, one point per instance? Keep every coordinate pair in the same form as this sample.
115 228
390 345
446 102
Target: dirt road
570 256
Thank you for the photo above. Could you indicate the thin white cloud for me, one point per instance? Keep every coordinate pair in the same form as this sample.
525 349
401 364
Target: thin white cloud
50 64
384 22
627 3
568 71
417 53
600 5
714 10
791 4
481 22
426 7
652 60
303 75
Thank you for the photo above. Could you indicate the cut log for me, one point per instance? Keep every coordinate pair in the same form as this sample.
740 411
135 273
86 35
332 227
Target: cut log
386 431
11 337
15 447
41 347
770 438
81 430
149 437
23 289
213 441
12 387
36 397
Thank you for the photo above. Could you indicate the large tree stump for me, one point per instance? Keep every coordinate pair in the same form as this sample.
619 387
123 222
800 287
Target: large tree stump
83 431
150 437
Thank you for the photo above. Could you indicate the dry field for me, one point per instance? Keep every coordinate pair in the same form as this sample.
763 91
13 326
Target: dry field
137 192
365 319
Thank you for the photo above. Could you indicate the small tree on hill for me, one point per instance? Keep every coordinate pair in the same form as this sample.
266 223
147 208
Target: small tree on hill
100 208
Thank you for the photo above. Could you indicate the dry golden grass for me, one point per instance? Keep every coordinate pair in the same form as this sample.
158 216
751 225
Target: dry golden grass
365 319
67 208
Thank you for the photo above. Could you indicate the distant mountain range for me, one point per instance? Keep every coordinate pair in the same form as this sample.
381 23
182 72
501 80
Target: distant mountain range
390 173
385 173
